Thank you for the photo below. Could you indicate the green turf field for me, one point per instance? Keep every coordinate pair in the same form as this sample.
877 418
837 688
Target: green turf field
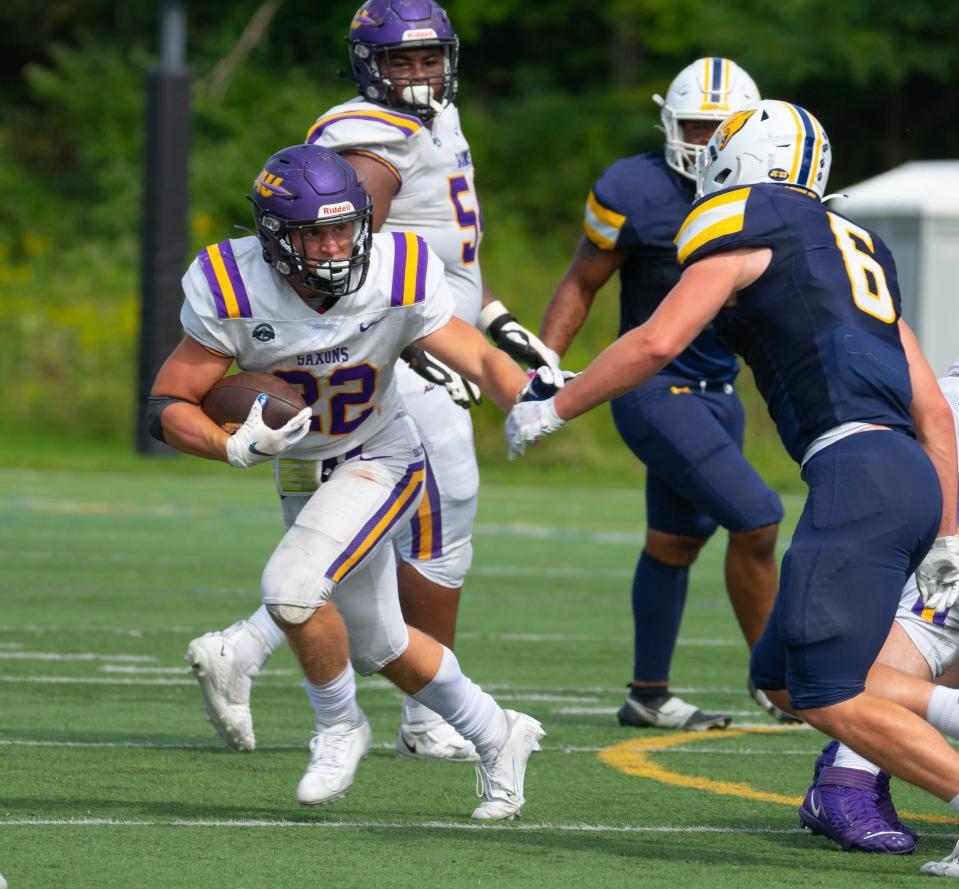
110 777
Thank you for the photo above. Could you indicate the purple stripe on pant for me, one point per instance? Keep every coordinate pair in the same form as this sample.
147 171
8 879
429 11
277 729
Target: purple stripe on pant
361 538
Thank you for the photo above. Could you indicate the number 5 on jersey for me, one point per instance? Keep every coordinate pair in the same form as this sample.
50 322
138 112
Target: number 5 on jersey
467 216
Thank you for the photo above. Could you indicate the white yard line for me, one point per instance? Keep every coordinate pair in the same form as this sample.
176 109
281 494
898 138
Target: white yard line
138 632
518 692
182 671
74 656
548 532
608 711
561 573
387 746
523 826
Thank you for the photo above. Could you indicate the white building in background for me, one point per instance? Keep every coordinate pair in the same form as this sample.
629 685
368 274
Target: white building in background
915 209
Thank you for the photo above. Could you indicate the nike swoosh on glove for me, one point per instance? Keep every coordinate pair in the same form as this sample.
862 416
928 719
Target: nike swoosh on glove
938 574
528 422
255 442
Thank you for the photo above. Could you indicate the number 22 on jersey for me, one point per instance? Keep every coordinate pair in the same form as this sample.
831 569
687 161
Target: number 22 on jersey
342 411
870 291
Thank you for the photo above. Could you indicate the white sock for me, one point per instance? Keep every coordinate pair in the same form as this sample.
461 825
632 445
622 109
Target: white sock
335 701
417 713
943 710
849 759
954 802
465 706
271 634
250 648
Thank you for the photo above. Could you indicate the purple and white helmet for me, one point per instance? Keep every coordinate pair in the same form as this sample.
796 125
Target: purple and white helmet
382 26
301 187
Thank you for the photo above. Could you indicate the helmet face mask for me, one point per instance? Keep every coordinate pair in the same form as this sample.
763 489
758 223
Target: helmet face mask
301 193
384 29
707 90
770 141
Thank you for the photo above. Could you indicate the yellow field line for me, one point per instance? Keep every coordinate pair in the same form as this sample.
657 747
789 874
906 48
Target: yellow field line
633 758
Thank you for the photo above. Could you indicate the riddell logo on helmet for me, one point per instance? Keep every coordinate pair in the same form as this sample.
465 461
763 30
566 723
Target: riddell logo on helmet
335 209
420 34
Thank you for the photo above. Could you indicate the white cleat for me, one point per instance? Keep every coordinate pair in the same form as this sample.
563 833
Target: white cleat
500 783
225 683
672 713
948 867
434 741
334 755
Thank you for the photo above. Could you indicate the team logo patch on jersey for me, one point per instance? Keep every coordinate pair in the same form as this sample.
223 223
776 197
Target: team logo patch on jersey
732 125
778 173
263 333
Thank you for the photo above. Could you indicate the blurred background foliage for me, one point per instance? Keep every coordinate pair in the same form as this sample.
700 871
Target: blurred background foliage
551 92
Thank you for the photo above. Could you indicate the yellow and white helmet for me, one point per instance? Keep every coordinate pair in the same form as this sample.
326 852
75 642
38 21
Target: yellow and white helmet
708 89
771 141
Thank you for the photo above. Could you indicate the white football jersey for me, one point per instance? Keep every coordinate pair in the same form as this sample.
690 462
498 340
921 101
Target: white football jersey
436 198
911 600
342 361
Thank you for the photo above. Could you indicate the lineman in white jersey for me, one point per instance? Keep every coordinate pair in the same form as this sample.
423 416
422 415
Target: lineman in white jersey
402 135
321 302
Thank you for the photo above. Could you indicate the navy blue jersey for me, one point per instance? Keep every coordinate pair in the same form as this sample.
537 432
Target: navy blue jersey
819 328
636 207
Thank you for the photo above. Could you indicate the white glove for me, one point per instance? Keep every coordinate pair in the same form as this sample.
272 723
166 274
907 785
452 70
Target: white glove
528 422
515 340
461 390
255 442
543 383
938 574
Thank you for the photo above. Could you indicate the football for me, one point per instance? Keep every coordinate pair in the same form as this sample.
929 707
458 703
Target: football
228 403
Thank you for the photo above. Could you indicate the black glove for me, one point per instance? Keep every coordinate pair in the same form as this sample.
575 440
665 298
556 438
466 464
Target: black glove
461 390
514 339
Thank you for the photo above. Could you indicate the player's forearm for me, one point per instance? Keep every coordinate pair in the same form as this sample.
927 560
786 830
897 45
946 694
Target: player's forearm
188 429
565 314
624 365
500 378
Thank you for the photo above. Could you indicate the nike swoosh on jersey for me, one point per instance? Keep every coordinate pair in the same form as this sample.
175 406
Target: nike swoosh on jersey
365 327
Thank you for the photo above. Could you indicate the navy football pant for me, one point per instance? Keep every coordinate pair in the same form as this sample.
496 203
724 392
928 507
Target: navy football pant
870 517
697 479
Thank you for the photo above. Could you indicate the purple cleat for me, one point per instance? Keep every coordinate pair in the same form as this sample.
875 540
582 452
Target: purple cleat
885 805
844 805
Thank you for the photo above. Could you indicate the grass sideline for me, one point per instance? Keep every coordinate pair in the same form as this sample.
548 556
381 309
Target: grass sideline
112 779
